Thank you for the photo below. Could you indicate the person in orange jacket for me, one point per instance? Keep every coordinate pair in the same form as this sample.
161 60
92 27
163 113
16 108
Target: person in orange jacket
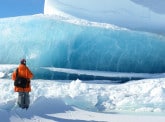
23 93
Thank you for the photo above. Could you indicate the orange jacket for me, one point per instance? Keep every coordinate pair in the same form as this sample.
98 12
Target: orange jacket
23 71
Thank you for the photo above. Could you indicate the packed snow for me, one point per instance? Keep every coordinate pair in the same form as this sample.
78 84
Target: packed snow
56 100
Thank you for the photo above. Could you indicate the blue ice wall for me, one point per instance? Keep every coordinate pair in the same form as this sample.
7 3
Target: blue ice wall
45 41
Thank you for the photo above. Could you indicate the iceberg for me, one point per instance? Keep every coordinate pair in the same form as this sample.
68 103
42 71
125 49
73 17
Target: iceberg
143 15
57 46
47 41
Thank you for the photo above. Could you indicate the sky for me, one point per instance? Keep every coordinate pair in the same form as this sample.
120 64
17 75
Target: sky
12 8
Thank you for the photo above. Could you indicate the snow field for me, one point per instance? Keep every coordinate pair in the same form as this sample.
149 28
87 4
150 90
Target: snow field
141 96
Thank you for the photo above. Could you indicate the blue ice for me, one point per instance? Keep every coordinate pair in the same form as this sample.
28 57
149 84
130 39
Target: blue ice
48 42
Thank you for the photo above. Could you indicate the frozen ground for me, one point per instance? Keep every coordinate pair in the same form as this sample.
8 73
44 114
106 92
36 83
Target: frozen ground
65 101
81 102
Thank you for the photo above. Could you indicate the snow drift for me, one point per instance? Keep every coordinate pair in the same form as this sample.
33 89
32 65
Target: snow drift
138 96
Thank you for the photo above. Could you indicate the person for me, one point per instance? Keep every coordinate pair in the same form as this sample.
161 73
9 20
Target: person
23 93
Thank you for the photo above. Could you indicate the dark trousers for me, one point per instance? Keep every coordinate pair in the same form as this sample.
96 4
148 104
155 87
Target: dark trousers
23 100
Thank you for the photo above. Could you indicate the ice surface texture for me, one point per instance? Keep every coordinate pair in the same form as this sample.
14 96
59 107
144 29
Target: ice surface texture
45 41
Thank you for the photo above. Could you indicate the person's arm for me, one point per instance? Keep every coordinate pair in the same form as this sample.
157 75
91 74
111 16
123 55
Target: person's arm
30 74
14 75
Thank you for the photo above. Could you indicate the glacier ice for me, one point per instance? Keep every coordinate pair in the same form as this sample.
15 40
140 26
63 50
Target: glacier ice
49 42
134 14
